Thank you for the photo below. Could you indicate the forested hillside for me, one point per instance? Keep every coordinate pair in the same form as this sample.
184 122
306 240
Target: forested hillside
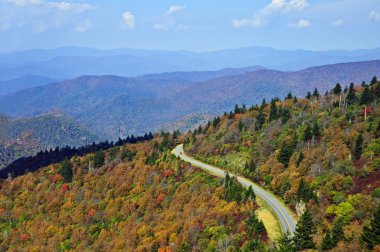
27 136
134 197
320 154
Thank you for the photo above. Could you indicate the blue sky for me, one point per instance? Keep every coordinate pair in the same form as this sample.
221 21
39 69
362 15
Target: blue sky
197 25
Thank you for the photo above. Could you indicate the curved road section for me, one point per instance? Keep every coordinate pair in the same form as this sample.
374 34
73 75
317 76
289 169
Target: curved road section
287 222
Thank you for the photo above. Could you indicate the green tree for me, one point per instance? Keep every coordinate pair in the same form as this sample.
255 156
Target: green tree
373 81
285 154
366 97
98 159
66 170
316 93
316 130
351 96
371 231
308 96
273 114
305 230
337 89
260 119
289 96
307 134
333 236
358 147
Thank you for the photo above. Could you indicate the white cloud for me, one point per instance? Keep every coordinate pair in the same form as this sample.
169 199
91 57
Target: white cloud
62 6
41 15
175 8
83 26
275 6
374 15
128 21
302 23
68 6
24 2
338 22
168 21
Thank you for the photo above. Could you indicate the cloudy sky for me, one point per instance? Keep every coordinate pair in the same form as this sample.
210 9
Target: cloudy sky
197 25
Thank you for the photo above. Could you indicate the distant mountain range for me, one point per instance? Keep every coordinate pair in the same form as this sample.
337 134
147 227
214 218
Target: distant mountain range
70 62
113 106
27 136
26 81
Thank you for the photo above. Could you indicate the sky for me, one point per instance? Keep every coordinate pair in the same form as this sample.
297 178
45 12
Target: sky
196 25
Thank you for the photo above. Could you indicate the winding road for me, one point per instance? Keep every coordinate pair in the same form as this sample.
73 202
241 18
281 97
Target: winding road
283 214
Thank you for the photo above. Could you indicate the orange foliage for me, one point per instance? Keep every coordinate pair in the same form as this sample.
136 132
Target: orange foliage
57 178
160 198
91 213
24 237
168 173
65 187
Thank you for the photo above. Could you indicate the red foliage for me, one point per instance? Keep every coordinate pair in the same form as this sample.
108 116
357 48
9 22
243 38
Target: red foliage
160 198
57 178
91 213
168 173
24 237
369 111
367 184
65 187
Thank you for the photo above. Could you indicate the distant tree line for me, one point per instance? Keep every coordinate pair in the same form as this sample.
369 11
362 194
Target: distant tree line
47 157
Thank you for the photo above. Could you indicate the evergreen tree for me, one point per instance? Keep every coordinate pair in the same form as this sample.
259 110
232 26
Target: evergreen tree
300 158
351 96
308 134
237 109
305 230
240 126
98 159
371 231
366 97
305 193
337 89
308 96
66 170
260 119
286 115
358 147
289 96
250 194
327 242
316 130
373 81
285 243
273 114
285 153
295 100
316 93
333 235
376 92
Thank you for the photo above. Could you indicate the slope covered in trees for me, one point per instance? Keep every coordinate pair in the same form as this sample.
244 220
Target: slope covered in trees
321 153
135 197
21 137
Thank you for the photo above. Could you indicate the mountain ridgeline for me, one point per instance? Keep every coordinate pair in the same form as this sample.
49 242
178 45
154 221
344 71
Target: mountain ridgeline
111 105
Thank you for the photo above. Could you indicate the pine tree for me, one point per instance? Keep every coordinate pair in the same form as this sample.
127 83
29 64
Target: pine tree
66 170
358 147
351 96
285 243
308 134
260 119
337 89
285 153
305 230
373 81
249 194
366 97
273 114
371 231
98 159
327 242
289 96
316 93
316 130
295 100
308 96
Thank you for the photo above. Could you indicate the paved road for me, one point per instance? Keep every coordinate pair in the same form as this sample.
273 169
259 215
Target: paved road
283 214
